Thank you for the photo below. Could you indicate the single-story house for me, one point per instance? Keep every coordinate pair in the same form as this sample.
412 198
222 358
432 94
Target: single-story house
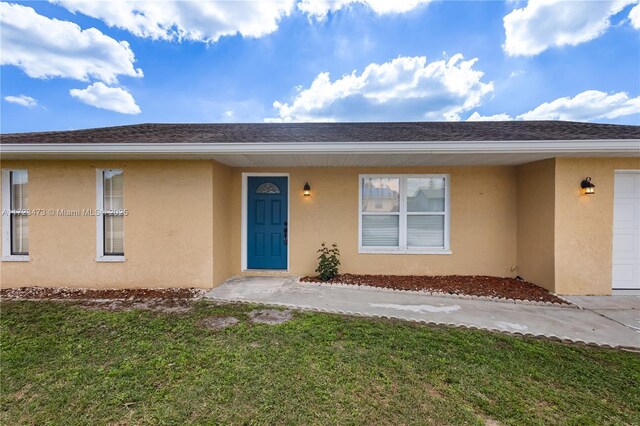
191 205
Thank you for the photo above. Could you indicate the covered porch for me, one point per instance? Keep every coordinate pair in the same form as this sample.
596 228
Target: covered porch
507 215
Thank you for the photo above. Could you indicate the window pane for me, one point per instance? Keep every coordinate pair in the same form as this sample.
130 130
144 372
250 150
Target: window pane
19 190
425 194
425 231
380 231
113 234
268 188
113 190
19 234
380 194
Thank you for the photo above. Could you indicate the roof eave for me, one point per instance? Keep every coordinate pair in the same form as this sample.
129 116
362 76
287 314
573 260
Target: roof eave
628 146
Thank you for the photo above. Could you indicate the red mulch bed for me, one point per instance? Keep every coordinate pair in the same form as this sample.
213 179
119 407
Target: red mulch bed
84 294
471 285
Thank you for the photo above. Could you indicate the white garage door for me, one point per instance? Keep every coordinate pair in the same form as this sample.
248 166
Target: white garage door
626 233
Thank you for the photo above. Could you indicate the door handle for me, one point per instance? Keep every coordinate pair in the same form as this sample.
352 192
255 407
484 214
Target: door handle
286 232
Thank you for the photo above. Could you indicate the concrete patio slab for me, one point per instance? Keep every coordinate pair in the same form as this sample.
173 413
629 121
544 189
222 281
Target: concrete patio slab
571 324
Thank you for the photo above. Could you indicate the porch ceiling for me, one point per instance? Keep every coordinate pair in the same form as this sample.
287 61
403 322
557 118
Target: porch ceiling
391 160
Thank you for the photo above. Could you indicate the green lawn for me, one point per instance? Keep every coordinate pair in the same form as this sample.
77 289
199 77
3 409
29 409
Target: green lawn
65 364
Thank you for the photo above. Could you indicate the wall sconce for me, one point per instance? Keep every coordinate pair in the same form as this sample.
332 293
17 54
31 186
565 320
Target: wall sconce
587 186
306 190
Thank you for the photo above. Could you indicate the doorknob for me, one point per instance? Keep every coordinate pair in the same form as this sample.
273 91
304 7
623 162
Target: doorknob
286 232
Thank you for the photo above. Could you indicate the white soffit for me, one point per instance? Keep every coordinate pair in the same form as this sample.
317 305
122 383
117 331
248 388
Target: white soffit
335 154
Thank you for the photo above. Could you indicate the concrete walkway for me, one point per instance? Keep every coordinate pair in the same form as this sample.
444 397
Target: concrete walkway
623 309
572 324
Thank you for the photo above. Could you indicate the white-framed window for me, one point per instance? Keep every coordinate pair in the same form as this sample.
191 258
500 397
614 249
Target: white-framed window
15 215
404 214
110 214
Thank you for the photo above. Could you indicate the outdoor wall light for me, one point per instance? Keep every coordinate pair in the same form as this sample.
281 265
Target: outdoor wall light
306 190
587 186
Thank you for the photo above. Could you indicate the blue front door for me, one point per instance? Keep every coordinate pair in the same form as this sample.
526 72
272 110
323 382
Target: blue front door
267 227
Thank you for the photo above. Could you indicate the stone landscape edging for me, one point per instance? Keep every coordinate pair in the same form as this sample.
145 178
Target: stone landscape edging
445 295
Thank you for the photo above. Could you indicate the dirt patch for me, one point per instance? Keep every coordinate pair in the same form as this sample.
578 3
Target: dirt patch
92 294
166 306
471 285
270 316
489 421
164 300
218 323
22 392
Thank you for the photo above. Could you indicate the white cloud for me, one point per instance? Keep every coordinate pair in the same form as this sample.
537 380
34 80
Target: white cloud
44 47
228 116
634 17
319 9
542 24
590 105
587 106
406 88
24 100
496 117
100 95
205 21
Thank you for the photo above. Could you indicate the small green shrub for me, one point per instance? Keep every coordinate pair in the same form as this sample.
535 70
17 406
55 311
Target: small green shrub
328 261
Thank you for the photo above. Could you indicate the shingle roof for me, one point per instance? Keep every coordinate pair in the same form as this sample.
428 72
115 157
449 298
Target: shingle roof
332 132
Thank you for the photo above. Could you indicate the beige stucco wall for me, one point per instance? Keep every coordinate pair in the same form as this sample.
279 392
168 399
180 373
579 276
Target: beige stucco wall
168 233
184 224
536 223
222 210
483 221
584 224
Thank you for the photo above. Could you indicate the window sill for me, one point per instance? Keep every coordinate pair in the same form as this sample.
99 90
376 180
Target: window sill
400 251
110 259
15 258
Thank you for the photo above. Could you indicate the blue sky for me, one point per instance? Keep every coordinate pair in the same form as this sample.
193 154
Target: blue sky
395 61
